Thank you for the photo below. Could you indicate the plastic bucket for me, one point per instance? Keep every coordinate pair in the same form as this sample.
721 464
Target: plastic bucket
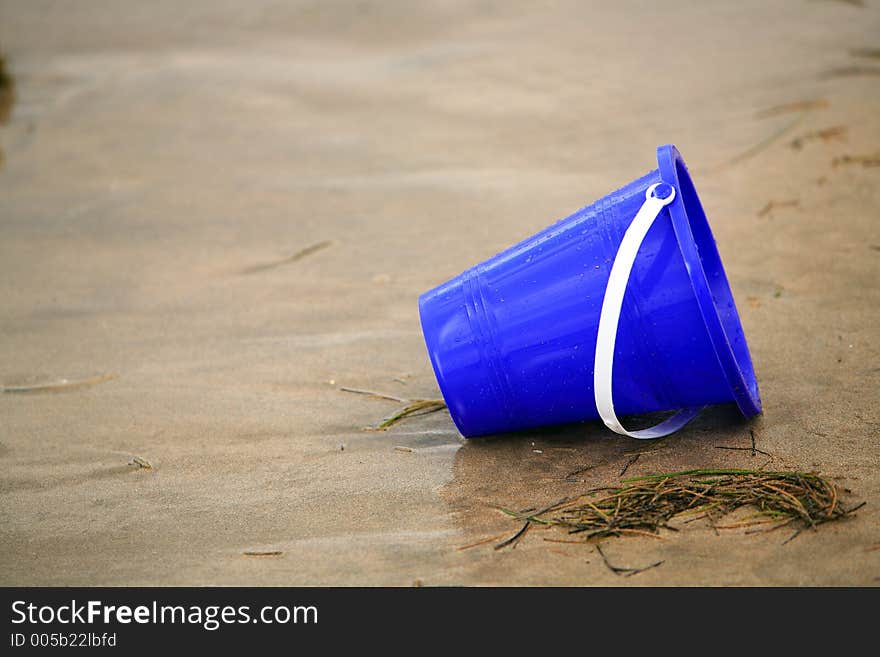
513 340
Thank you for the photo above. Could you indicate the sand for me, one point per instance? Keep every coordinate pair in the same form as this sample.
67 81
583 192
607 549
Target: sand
164 162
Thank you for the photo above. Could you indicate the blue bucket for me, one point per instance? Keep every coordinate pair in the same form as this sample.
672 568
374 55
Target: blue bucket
516 341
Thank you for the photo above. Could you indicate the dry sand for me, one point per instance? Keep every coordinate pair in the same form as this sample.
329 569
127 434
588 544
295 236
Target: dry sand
160 154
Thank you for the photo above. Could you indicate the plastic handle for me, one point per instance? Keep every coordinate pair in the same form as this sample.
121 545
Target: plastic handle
603 368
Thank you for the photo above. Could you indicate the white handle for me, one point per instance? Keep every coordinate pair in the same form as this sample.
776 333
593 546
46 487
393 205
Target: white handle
610 316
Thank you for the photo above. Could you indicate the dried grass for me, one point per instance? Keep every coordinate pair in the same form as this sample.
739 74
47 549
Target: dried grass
648 504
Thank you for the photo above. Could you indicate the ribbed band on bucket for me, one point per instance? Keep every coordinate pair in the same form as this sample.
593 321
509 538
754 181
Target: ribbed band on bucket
485 337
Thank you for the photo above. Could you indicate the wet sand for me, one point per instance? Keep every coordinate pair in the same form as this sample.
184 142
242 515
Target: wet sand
163 165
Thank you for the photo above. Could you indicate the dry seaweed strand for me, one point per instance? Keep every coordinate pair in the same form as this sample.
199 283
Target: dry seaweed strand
7 91
775 205
299 255
582 470
753 450
850 72
512 541
789 108
656 446
530 517
803 108
762 145
631 461
835 133
870 53
373 393
623 570
413 408
478 543
647 504
852 3
867 161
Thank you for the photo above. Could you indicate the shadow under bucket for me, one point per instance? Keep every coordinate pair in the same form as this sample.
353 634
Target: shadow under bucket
513 340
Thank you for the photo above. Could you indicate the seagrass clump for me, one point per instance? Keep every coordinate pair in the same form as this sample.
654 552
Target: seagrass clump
644 505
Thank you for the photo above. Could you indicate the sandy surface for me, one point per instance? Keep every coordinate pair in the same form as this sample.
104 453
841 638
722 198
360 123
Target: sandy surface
159 154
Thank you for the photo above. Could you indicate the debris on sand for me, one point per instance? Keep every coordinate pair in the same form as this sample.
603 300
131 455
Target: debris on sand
141 463
373 393
7 91
648 504
512 541
631 461
835 133
869 53
867 161
762 145
299 255
478 543
753 449
59 385
623 570
851 72
268 553
790 108
413 408
802 108
778 205
853 3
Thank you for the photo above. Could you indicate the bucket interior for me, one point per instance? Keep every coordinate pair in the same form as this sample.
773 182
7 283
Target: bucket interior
713 290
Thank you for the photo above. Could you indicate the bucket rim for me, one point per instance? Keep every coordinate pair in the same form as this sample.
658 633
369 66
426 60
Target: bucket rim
737 366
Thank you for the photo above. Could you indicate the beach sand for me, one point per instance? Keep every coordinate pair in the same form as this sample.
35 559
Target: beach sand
164 163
